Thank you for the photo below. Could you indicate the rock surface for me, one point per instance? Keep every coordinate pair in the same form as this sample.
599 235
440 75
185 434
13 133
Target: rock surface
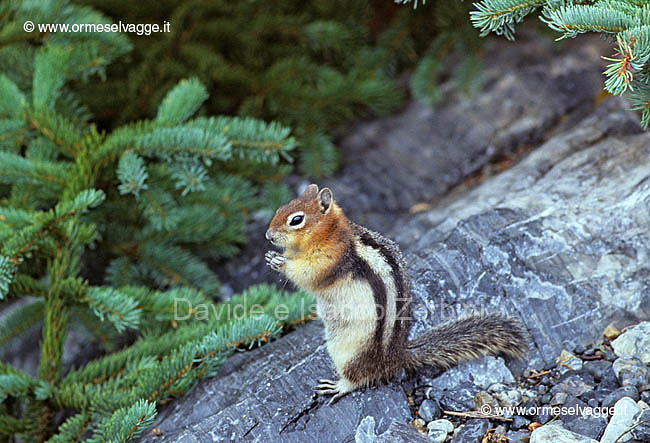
553 433
625 411
267 395
636 341
560 240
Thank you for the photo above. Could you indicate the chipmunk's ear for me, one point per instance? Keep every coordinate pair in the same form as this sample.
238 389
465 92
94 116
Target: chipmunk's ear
311 191
325 199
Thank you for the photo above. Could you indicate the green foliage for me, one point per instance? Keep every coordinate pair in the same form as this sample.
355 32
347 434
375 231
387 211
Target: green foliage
125 424
313 66
626 22
103 232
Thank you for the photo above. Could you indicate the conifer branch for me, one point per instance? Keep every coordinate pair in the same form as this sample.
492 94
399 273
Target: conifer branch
19 319
72 429
116 307
181 102
126 423
11 98
11 426
627 21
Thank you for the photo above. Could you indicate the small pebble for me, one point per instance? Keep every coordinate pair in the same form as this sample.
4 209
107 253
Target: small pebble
592 395
518 436
609 355
631 371
559 399
441 424
609 381
597 368
484 398
429 410
519 422
593 403
508 398
472 430
419 424
645 396
568 362
611 332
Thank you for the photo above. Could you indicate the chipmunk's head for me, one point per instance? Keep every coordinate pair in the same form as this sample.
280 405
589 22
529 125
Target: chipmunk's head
296 224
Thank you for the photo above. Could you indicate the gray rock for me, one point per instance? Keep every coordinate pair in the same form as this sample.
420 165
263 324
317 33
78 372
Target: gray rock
559 398
568 362
591 426
396 433
597 368
472 431
429 410
482 399
553 433
365 432
437 435
641 430
593 402
579 418
401 433
505 395
519 422
268 392
459 398
624 412
634 343
481 373
504 243
615 396
645 396
544 414
609 381
572 384
439 429
631 372
518 436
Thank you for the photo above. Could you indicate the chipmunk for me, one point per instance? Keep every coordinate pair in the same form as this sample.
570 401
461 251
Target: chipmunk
362 290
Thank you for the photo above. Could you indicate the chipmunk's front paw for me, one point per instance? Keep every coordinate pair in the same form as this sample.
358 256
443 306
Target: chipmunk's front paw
338 388
274 260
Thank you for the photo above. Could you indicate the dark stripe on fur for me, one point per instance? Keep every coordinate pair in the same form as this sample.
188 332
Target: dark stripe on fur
400 301
351 263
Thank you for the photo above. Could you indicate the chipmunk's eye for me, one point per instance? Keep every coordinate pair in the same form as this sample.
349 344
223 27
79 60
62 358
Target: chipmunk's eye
296 220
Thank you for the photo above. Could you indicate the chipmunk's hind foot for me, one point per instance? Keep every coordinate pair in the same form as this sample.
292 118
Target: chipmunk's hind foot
337 389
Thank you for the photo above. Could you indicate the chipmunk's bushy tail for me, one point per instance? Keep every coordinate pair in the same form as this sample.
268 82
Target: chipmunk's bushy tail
468 338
